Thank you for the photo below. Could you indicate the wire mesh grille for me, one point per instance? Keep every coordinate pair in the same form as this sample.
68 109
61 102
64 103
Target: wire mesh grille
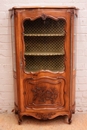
44 44
40 26
52 63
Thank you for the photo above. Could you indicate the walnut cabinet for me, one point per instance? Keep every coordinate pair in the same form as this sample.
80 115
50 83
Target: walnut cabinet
43 61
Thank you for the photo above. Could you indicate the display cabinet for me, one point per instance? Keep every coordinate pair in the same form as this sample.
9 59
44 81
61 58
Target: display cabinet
43 61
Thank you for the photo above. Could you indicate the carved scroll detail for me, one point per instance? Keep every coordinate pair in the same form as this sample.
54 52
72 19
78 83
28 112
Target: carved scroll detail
45 116
43 16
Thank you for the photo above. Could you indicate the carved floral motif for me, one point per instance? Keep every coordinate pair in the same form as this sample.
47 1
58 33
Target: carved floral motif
43 94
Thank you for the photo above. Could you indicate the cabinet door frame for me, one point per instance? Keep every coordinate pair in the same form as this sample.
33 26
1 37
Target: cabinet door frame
21 75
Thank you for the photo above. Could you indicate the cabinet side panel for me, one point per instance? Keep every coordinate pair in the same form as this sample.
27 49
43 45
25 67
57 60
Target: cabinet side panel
73 69
19 59
15 93
14 61
73 92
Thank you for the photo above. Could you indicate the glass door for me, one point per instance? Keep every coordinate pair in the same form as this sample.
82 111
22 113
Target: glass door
44 44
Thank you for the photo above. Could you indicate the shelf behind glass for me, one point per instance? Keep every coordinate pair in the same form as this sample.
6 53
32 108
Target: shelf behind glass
43 53
63 34
51 63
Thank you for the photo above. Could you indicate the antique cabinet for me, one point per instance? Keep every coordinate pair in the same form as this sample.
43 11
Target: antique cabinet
43 61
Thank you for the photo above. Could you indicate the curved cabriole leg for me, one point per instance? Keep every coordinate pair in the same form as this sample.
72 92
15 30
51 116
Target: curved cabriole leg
70 118
20 120
69 121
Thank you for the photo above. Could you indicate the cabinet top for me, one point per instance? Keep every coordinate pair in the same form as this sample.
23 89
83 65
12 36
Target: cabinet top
42 7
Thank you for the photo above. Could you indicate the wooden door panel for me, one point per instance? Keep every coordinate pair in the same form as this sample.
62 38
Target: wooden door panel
44 93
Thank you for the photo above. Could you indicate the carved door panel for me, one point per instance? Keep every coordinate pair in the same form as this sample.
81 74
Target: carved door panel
44 93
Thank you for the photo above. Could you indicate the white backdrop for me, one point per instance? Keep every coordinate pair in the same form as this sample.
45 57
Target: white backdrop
6 75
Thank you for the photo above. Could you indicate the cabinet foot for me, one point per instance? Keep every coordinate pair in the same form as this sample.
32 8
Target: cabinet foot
69 121
70 118
20 120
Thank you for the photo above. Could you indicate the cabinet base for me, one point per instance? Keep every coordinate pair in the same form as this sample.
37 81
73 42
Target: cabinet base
44 116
